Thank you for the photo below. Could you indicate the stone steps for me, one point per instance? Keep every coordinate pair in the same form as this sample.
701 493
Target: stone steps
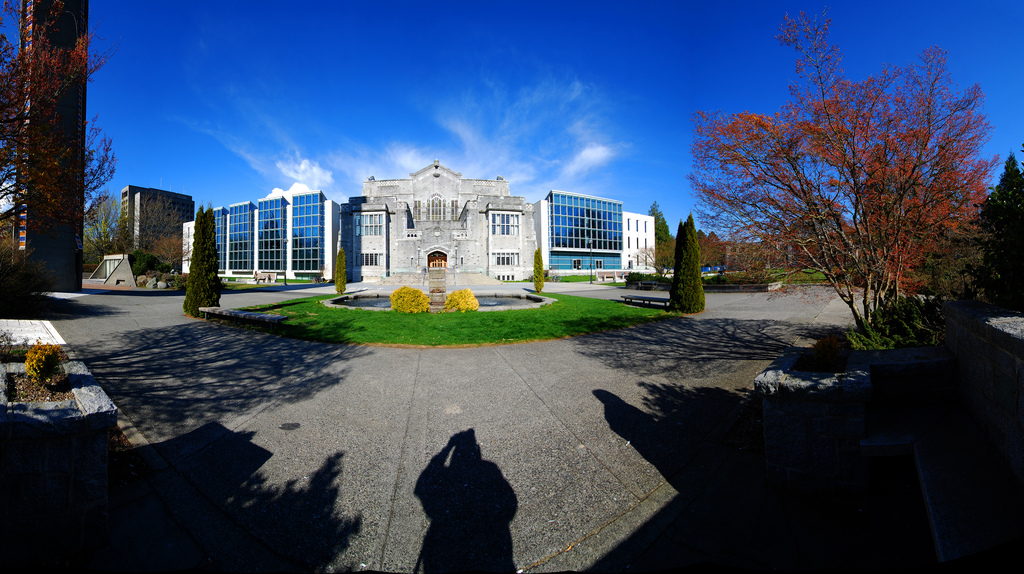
972 502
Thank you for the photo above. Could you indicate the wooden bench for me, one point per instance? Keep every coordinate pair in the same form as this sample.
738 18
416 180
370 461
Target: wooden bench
647 301
244 316
647 285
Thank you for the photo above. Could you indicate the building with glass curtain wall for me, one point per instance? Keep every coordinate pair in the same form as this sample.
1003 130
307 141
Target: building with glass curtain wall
435 218
582 232
291 233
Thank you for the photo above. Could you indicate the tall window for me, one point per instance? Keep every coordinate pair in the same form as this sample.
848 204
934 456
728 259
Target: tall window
241 234
272 237
220 218
369 224
507 259
436 208
504 224
308 232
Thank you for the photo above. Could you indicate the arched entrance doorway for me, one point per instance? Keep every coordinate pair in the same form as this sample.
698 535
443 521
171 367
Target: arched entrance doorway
437 259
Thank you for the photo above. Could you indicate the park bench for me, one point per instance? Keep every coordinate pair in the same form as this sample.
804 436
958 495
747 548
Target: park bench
646 301
647 285
243 316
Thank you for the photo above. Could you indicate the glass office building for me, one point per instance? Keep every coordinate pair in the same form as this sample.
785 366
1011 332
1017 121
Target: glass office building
583 232
292 233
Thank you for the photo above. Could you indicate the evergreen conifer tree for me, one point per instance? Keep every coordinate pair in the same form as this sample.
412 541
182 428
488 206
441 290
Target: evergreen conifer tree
340 272
203 287
687 294
538 271
1002 216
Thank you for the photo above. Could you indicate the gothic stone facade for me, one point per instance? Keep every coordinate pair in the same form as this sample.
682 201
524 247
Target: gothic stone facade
437 218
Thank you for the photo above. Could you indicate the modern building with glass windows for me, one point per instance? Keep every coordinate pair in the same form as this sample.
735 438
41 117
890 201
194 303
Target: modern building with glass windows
291 233
583 233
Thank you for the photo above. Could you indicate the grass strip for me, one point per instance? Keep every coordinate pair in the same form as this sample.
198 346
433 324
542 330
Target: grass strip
568 316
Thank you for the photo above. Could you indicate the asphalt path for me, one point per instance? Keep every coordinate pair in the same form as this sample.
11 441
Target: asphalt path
560 455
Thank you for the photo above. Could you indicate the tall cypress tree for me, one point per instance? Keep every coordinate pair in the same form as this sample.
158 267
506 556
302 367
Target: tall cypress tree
538 271
203 287
687 294
1002 216
340 272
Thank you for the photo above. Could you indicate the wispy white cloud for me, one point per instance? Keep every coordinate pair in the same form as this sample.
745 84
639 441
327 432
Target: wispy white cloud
554 134
305 171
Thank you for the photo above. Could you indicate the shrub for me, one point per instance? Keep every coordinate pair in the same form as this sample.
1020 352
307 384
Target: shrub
462 300
6 345
687 295
24 283
826 352
42 361
203 285
340 273
910 322
409 300
636 276
143 262
538 271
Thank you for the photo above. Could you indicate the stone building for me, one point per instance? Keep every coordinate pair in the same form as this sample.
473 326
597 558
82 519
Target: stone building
437 218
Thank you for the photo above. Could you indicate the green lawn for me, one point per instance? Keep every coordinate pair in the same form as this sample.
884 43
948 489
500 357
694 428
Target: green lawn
568 316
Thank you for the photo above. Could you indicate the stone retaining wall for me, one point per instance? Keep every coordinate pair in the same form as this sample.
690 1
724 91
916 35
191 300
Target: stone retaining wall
989 344
813 423
53 470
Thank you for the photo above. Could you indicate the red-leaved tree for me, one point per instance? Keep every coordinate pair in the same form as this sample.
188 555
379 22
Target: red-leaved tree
855 179
41 157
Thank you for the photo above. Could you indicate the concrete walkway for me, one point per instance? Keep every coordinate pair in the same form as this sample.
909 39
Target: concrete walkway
603 452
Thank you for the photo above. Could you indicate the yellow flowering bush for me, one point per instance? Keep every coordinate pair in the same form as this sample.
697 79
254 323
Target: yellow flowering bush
409 300
462 300
42 361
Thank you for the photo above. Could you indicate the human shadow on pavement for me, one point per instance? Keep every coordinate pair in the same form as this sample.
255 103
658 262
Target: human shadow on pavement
295 517
470 506
184 376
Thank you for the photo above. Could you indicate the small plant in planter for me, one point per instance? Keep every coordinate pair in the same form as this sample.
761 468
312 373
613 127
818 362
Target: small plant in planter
825 357
42 361
43 379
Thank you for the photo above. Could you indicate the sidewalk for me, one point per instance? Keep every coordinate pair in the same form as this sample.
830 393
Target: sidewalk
613 444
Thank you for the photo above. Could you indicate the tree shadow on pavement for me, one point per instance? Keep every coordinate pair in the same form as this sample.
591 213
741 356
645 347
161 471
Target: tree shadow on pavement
690 347
182 376
58 309
725 514
297 518
470 506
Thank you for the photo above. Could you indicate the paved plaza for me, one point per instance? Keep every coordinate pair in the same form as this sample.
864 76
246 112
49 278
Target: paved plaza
600 452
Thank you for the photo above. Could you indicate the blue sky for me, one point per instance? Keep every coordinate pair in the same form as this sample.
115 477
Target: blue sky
228 100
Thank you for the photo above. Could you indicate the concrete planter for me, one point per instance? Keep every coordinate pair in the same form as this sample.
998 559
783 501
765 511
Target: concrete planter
53 470
813 424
